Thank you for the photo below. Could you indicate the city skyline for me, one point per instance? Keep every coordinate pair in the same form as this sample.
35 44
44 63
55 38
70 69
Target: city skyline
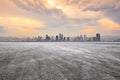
61 38
21 18
57 38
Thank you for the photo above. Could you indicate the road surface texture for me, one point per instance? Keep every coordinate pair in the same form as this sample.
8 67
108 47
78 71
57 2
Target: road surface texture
59 61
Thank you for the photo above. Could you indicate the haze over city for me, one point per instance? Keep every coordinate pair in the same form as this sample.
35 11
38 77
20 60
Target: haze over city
22 18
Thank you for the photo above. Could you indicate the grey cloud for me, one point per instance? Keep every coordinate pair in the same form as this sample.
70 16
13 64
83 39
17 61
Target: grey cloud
56 18
51 17
37 7
111 12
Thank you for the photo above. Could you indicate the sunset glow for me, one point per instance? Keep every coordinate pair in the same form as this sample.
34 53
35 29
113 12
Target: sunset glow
54 16
59 7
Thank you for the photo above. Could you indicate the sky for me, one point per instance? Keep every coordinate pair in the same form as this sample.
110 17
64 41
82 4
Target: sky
22 18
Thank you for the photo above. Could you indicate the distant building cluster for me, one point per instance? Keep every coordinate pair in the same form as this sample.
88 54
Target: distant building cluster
97 38
61 38
84 38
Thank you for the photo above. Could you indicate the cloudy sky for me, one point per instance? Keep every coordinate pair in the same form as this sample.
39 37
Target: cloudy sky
21 18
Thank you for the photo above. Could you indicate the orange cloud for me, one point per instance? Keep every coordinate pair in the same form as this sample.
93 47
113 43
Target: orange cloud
89 30
109 24
20 24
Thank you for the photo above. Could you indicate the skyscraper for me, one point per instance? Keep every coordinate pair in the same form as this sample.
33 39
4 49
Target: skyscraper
60 36
94 39
98 37
52 38
56 38
64 39
85 38
81 38
68 38
47 38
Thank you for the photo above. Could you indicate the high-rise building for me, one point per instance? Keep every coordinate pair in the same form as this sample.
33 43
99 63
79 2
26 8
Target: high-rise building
60 36
39 38
98 37
81 38
85 38
56 38
68 38
52 38
77 38
47 38
64 39
94 39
